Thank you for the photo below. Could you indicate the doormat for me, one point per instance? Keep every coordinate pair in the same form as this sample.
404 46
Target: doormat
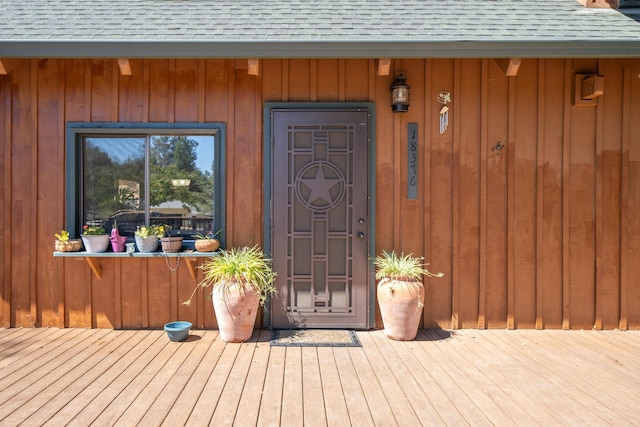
314 338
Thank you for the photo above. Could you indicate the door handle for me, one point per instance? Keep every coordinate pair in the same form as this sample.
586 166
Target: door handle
360 235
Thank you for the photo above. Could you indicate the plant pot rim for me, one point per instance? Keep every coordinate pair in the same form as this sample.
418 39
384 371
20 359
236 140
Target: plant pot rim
178 325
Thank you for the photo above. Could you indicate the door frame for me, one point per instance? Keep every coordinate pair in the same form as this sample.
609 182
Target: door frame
267 185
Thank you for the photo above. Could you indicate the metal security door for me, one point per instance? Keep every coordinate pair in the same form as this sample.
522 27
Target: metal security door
319 218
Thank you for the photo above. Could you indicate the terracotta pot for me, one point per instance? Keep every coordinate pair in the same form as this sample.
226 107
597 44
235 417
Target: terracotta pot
207 245
401 303
236 311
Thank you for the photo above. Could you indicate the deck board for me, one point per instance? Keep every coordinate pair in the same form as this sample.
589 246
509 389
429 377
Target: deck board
465 377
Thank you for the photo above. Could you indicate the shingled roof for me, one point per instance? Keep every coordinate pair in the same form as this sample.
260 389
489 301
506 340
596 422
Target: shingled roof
315 28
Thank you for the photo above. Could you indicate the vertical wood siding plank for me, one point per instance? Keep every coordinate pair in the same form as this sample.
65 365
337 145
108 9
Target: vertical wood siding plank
230 182
101 101
115 90
159 289
342 80
424 179
512 145
132 95
582 219
497 190
313 78
216 90
327 80
483 156
159 102
454 128
466 128
132 311
146 90
525 131
171 92
77 275
632 217
60 181
549 275
247 165
187 96
33 191
50 191
566 188
598 210
22 176
202 102
624 197
411 223
609 163
299 79
6 198
539 257
440 168
357 79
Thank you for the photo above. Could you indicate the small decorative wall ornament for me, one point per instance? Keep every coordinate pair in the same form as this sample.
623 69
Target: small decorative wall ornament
444 98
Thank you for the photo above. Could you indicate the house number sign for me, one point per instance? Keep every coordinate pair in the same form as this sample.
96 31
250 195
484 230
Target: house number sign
412 161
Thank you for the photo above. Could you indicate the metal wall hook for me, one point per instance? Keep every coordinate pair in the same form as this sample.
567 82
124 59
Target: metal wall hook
499 146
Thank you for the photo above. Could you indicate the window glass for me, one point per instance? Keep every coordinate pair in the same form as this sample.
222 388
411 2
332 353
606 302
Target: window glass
181 183
149 179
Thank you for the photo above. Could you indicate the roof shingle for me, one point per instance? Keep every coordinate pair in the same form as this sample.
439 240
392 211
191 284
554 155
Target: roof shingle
211 22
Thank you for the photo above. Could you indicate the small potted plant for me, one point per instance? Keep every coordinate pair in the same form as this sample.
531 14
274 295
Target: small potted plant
94 238
241 280
401 293
206 242
147 237
171 243
65 244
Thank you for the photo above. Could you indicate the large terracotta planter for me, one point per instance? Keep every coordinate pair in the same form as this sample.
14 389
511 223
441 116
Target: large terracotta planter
401 303
236 311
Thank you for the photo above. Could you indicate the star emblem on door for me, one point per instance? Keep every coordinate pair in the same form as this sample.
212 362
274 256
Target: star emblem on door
320 186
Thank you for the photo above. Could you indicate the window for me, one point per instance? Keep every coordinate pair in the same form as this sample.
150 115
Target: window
133 174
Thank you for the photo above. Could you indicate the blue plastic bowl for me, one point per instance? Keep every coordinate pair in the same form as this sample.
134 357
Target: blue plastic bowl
178 331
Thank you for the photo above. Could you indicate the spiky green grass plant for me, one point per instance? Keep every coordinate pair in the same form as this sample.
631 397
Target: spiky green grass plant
401 267
246 268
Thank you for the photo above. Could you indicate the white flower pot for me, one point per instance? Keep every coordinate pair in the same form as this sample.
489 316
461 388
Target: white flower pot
96 243
147 244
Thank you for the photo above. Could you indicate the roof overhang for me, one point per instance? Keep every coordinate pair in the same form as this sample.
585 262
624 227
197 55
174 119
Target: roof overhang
320 49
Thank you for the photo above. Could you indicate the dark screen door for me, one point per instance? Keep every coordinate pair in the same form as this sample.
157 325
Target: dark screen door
320 218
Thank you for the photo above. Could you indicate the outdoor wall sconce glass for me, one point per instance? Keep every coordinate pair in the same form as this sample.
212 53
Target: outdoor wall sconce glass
400 94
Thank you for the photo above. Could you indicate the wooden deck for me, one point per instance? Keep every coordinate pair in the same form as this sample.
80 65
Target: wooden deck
468 377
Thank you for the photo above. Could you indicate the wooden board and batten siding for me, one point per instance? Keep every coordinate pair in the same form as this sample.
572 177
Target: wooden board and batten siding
528 204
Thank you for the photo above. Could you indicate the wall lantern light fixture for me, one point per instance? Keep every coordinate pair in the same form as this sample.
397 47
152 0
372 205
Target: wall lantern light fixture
400 94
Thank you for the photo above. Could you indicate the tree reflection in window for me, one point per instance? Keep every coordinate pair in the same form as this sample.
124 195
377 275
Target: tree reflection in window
175 179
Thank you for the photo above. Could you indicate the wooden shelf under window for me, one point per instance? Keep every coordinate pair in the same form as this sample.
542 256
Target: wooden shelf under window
91 258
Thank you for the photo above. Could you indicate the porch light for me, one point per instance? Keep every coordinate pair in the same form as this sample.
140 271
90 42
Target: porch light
400 94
